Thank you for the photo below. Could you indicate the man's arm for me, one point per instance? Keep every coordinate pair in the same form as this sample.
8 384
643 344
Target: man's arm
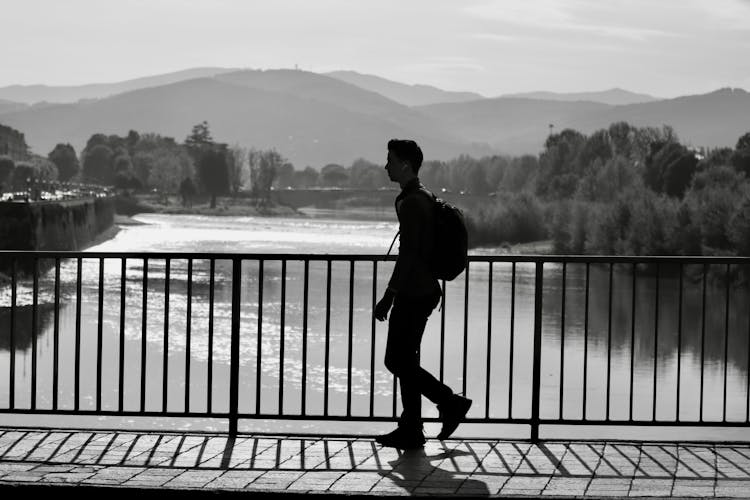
409 244
408 252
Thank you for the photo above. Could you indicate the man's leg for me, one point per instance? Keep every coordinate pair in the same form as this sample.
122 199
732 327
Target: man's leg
453 408
427 384
402 358
405 329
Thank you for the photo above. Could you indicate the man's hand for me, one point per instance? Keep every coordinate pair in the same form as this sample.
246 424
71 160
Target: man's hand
384 305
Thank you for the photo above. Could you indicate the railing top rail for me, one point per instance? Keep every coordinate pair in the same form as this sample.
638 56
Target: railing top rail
532 258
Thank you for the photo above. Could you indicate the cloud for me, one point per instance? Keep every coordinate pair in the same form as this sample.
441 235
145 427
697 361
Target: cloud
723 14
441 64
495 37
585 17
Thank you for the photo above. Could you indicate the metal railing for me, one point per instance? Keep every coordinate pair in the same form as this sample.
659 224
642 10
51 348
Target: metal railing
285 331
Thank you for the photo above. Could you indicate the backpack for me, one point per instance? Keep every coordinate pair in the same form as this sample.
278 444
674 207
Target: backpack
451 245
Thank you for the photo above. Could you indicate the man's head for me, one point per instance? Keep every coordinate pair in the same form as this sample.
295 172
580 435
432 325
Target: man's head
404 160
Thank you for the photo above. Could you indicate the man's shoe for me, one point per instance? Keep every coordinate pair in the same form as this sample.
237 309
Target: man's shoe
452 413
402 439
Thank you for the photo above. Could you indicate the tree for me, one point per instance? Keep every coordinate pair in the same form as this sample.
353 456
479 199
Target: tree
98 165
6 171
459 173
597 147
367 175
741 155
66 160
621 135
153 152
476 180
23 176
44 170
679 173
96 140
743 142
521 174
306 178
143 164
284 177
669 168
714 214
558 165
739 228
433 173
334 175
123 163
713 199
642 139
169 166
717 157
213 171
237 168
131 141
560 228
199 140
495 168
268 164
187 191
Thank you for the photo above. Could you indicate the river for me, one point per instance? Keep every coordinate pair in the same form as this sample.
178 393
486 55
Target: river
685 343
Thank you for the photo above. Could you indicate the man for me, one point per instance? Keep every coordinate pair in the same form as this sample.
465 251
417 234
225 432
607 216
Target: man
412 293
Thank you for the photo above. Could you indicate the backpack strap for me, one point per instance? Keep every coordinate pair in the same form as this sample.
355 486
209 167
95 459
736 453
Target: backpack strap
427 193
392 243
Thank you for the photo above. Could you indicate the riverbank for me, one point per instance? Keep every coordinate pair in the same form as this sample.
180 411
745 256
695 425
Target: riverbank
225 206
540 247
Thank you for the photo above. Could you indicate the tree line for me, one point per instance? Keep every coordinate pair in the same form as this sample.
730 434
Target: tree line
148 161
619 190
626 190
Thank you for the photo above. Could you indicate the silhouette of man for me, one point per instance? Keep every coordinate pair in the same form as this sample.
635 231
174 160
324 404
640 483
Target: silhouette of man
412 293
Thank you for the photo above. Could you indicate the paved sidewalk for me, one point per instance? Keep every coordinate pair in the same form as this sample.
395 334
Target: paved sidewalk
114 463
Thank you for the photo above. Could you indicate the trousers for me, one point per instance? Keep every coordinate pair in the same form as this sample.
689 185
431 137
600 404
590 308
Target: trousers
405 329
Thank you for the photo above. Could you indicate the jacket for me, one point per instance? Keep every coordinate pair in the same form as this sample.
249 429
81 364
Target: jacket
411 275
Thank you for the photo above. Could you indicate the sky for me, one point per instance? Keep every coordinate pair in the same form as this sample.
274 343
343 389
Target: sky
664 48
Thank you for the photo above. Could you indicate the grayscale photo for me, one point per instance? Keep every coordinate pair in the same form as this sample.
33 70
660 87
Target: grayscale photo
477 248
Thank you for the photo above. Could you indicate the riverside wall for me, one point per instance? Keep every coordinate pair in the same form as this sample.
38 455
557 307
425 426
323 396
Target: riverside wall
53 225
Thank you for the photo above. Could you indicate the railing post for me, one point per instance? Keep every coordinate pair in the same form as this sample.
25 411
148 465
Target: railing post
536 383
234 362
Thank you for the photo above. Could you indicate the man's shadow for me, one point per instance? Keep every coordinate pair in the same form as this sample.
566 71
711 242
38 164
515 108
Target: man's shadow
408 472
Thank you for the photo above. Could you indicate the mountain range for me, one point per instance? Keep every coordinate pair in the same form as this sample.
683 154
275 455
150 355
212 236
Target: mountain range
315 119
615 96
32 94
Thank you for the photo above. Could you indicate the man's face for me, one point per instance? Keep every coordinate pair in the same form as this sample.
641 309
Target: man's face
395 167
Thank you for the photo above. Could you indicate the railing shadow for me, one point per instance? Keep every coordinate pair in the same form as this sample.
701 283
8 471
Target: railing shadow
453 465
408 473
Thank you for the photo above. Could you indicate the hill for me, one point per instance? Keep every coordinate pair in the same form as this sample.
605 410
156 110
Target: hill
511 125
30 94
307 130
409 95
6 105
518 126
315 119
615 96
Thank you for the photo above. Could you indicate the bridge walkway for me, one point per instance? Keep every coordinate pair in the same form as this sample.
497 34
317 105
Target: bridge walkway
186 465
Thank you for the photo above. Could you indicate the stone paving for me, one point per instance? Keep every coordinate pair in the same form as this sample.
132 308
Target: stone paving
124 461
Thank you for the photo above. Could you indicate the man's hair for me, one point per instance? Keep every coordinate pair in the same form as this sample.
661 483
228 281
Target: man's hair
407 150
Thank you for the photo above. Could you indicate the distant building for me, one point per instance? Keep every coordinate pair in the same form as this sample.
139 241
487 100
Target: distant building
13 144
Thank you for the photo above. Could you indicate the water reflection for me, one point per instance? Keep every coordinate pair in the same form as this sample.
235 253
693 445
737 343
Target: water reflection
637 354
23 321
